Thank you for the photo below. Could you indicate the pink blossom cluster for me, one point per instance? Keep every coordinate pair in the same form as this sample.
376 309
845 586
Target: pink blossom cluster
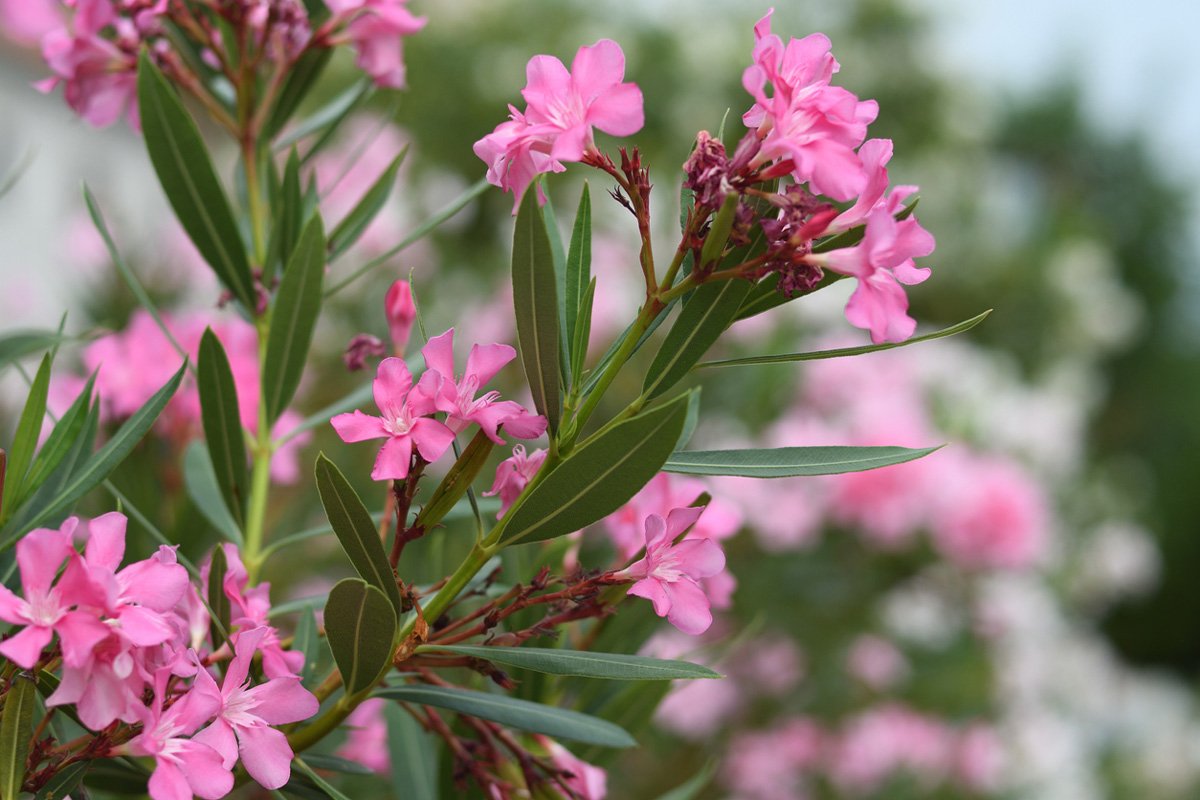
562 109
870 749
981 511
407 413
138 631
131 365
91 46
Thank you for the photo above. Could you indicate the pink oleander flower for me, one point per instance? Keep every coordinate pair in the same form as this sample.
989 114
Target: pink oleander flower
587 781
376 28
367 737
250 610
99 79
183 767
513 474
874 154
815 126
563 107
401 312
886 740
876 662
46 609
27 21
136 600
771 764
456 395
881 262
247 714
108 686
669 575
403 422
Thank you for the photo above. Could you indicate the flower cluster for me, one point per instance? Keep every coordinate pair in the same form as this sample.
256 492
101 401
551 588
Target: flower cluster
407 412
92 46
142 631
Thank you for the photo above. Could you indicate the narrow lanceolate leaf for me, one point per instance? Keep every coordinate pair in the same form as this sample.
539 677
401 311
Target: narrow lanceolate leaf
599 477
200 483
693 786
65 433
511 712
790 462
289 217
16 727
457 481
29 427
293 319
579 273
190 182
360 626
101 464
301 77
816 355
356 530
535 302
351 228
328 115
222 424
583 664
583 333
64 782
718 232
413 754
710 311
16 345
325 787
307 641
218 602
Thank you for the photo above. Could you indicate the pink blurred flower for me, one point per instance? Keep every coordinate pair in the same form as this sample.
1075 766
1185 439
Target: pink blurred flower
876 662
456 394
668 576
979 759
806 121
771 764
247 714
626 526
991 514
513 474
367 737
587 781
376 28
403 423
886 740
563 107
768 665
27 21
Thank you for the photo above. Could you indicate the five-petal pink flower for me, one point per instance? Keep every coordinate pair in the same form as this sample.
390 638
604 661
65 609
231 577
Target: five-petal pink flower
403 421
670 573
563 108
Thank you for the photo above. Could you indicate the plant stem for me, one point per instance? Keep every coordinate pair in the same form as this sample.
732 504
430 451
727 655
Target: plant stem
260 478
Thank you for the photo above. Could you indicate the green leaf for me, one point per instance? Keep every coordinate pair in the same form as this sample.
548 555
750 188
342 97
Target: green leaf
218 601
583 333
579 275
337 764
289 218
535 302
457 481
789 462
64 782
200 483
581 663
15 345
599 477
330 791
356 530
16 728
190 182
351 228
840 352
307 640
64 435
718 232
100 465
20 455
360 626
631 707
690 422
413 754
329 115
293 319
222 424
511 712
301 77
706 316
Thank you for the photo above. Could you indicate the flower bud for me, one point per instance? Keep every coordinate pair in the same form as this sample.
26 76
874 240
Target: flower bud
401 311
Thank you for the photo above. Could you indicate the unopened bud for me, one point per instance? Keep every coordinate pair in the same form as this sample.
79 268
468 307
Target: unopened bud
401 312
